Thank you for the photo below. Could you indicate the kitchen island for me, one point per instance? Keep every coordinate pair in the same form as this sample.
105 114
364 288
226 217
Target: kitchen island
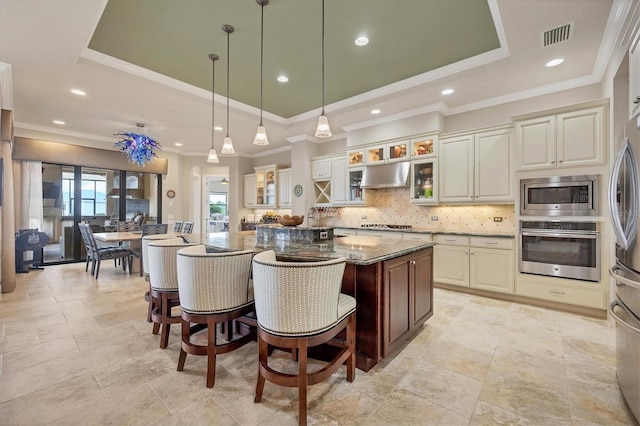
391 280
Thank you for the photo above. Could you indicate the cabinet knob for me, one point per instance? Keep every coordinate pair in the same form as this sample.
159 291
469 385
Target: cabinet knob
553 162
637 101
559 161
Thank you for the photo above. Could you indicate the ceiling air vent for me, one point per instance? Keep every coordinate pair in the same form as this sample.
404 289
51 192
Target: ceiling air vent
556 35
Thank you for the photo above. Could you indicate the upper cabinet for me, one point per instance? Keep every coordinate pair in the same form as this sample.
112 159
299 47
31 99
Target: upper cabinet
250 191
390 152
568 139
285 188
266 186
476 167
424 181
424 147
634 80
321 168
355 158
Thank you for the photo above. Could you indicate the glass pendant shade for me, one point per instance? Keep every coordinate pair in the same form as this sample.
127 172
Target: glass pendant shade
227 147
261 136
213 156
323 130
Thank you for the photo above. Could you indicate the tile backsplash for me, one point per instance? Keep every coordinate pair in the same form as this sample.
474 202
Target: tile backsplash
392 206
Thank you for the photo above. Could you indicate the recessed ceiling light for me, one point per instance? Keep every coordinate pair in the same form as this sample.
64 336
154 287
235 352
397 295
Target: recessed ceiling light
447 91
78 92
59 122
178 144
375 111
218 128
554 62
362 41
283 78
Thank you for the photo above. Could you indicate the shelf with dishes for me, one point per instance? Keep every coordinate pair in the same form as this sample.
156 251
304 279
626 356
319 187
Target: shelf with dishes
424 185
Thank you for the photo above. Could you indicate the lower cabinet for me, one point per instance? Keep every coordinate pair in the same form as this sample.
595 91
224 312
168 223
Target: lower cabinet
408 297
484 263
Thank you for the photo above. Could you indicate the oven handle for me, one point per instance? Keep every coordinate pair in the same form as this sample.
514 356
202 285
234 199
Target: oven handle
626 281
619 320
559 235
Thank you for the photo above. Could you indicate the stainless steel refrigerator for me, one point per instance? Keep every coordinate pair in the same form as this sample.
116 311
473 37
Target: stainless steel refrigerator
624 206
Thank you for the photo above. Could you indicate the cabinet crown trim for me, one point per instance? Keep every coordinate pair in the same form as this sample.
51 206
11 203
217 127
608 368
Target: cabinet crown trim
507 126
562 109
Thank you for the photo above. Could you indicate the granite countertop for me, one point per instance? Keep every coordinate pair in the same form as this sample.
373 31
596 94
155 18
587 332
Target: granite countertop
357 250
434 232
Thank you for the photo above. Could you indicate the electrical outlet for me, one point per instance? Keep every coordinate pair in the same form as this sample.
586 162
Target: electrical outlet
497 219
434 217
364 216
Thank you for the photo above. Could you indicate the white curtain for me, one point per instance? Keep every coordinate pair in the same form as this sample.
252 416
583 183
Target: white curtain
31 192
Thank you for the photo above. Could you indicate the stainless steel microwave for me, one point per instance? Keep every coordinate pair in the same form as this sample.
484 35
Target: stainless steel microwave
559 196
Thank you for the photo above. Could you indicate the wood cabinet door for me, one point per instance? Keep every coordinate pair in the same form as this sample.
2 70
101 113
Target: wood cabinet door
493 171
536 143
451 265
456 169
422 287
580 138
492 269
397 301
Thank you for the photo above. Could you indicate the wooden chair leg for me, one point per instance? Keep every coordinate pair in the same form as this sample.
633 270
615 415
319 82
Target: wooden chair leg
186 336
211 352
229 331
351 341
263 354
166 326
302 383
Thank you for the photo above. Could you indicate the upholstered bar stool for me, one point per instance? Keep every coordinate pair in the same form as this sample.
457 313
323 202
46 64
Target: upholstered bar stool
299 305
144 247
214 288
163 278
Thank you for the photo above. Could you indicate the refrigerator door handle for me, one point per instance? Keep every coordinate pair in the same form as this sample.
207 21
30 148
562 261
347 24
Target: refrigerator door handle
619 320
624 236
619 278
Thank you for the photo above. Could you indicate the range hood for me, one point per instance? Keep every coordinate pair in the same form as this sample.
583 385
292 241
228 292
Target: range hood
131 193
391 175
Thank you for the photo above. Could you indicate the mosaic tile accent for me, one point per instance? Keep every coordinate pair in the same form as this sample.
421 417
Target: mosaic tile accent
392 206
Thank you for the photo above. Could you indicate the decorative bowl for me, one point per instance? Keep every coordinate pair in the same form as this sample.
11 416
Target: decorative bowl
287 220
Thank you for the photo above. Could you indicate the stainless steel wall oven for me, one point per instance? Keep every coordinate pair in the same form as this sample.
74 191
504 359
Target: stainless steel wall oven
560 249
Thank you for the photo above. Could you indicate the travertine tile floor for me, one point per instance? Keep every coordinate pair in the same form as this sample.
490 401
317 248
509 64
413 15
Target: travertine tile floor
79 351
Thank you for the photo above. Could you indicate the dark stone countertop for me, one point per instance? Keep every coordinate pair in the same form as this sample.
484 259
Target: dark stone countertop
433 232
358 250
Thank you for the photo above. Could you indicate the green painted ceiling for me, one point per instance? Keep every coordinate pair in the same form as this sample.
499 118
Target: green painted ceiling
407 38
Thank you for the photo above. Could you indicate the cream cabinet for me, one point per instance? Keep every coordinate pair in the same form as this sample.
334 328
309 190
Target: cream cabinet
634 80
250 191
339 180
424 181
321 168
385 153
491 264
485 263
424 147
285 188
266 186
569 139
451 260
476 167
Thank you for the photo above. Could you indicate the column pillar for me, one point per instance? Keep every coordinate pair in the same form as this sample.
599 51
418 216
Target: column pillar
8 225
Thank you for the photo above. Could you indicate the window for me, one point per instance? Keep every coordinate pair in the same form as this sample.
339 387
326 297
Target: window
217 204
94 194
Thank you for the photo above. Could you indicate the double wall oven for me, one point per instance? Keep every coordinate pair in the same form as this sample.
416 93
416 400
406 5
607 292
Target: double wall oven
556 247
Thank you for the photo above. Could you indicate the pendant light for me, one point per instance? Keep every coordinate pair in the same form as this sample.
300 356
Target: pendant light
227 146
323 130
261 134
213 155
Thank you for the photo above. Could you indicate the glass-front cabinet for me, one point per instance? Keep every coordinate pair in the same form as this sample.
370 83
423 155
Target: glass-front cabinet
394 151
355 158
424 181
424 147
355 194
266 186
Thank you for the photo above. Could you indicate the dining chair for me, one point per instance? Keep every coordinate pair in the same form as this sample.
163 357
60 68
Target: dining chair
177 226
298 306
188 228
163 278
99 253
128 226
215 288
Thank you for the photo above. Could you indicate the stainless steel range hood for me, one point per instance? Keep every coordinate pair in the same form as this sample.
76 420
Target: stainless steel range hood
131 193
392 175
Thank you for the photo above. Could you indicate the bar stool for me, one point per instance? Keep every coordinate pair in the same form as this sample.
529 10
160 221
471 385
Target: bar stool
163 278
144 250
299 305
215 288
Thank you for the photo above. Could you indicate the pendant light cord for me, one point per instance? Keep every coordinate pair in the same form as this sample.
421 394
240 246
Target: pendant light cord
261 54
213 101
322 58
228 59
